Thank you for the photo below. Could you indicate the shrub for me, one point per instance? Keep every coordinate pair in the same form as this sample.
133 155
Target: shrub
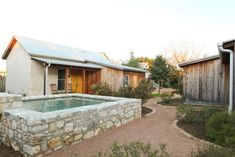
134 149
183 110
102 89
212 151
207 112
166 98
144 90
189 115
127 92
220 129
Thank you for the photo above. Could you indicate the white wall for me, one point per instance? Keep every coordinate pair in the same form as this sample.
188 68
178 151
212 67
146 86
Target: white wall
52 78
37 78
18 71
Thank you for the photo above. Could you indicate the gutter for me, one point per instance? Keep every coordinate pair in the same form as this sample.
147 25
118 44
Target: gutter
230 52
46 79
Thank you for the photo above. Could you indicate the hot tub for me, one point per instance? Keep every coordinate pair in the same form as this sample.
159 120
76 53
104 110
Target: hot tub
43 124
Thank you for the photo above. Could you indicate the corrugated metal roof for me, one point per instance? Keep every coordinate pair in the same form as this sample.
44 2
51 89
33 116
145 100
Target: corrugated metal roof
125 68
67 63
42 49
199 60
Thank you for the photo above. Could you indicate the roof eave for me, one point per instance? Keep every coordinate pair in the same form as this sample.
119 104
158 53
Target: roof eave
198 61
9 48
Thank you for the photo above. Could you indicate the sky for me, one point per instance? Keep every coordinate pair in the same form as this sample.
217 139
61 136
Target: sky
116 27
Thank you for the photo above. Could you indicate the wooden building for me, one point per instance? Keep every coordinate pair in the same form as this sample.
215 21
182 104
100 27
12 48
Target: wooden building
36 67
208 80
203 81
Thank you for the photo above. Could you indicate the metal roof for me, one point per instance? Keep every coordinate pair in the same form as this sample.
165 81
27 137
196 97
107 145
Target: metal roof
199 60
125 68
42 49
67 63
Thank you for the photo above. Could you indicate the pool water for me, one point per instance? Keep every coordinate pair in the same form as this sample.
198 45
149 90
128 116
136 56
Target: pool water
47 105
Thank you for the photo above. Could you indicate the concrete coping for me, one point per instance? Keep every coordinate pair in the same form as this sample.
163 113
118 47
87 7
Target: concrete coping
5 97
32 116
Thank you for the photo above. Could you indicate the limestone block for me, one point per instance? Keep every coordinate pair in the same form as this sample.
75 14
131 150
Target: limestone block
89 134
52 127
31 150
60 124
54 142
109 124
68 140
68 127
77 137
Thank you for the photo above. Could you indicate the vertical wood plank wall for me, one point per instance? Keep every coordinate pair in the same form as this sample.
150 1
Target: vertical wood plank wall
204 82
134 78
113 77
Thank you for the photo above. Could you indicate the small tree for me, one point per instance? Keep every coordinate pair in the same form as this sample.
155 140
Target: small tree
160 71
132 62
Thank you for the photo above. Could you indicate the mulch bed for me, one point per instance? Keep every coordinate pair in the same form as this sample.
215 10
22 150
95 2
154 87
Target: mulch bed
146 110
6 151
173 102
195 129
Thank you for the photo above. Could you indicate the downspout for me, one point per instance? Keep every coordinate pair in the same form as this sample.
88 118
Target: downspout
46 79
230 52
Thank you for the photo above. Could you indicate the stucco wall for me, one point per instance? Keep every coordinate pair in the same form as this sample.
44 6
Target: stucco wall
52 78
37 76
18 71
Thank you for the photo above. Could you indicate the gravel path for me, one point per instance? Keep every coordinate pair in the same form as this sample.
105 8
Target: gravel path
156 129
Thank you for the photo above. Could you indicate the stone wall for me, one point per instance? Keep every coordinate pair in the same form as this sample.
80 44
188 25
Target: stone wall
40 136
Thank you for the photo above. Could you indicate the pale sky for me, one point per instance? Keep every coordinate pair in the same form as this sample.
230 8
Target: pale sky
117 27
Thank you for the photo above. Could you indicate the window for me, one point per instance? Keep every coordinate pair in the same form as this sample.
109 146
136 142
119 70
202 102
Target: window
126 80
61 79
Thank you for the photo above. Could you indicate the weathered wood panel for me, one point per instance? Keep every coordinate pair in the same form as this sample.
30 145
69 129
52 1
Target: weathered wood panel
134 78
113 77
92 77
204 82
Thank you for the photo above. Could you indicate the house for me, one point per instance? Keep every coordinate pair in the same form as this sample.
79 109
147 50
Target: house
36 67
211 80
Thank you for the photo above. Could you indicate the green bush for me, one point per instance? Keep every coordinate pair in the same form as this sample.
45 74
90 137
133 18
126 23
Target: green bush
212 151
207 112
127 92
166 98
134 149
183 110
188 114
220 129
144 90
102 89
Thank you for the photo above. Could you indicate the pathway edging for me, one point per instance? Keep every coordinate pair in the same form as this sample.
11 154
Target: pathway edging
191 136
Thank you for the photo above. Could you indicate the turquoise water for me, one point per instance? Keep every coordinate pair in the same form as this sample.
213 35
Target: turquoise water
47 105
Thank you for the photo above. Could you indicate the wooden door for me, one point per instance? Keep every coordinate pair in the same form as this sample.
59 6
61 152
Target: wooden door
77 83
92 77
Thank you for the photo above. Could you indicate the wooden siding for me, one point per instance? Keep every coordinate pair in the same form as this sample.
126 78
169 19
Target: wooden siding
135 78
113 77
92 77
204 82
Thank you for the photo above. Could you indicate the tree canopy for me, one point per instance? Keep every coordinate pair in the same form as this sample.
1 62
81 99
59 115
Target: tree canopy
132 62
160 70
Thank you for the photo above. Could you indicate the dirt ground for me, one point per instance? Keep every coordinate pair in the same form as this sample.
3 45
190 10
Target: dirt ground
155 129
8 152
